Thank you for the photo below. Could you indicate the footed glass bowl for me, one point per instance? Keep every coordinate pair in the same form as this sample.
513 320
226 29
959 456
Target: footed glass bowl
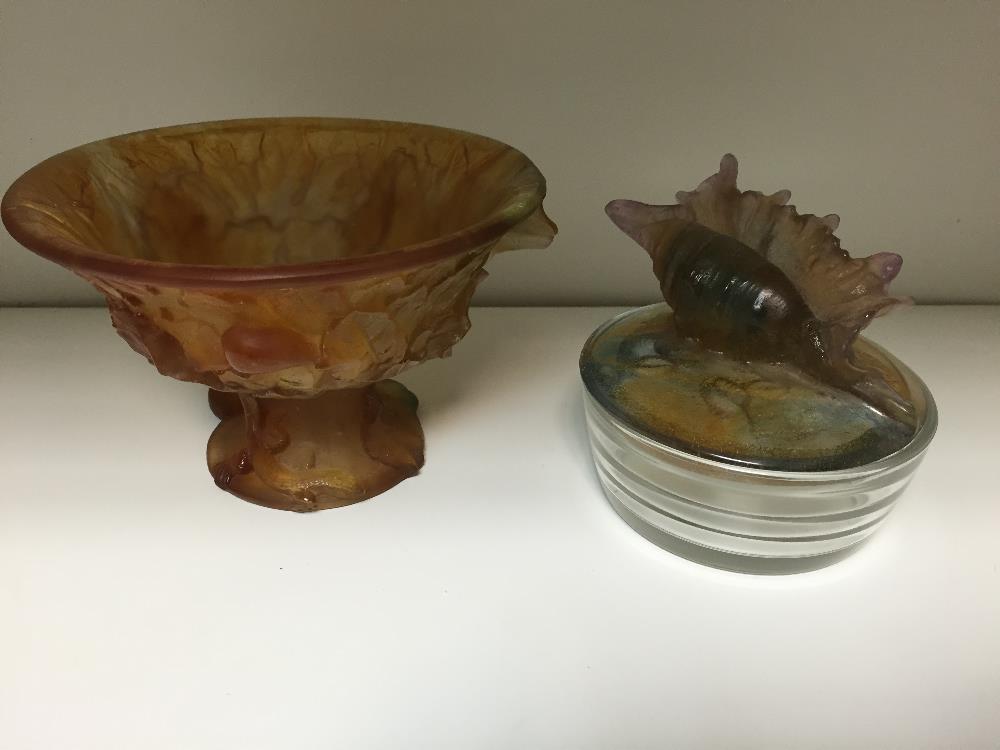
291 265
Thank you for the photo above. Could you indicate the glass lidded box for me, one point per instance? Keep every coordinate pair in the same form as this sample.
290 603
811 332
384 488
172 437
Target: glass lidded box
747 424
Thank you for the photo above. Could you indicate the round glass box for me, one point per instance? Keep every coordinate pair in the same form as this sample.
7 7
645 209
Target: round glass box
754 468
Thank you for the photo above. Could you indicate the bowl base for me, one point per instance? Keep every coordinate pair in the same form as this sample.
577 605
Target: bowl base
334 449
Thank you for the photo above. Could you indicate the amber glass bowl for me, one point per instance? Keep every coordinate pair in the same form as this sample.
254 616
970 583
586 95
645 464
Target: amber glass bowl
291 265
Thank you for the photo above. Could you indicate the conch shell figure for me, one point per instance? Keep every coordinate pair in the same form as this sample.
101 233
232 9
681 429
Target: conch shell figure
748 276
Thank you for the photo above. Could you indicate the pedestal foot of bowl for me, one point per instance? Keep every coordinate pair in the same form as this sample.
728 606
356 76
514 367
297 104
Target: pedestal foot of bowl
309 454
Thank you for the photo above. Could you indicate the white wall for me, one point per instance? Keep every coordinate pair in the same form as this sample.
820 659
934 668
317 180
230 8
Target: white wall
885 112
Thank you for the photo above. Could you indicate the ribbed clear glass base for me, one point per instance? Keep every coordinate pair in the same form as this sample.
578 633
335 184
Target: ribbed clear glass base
740 519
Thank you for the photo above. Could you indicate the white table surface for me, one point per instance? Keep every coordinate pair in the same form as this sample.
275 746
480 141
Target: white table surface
494 601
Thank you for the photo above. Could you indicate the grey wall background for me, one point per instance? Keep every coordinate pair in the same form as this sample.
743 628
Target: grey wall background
887 113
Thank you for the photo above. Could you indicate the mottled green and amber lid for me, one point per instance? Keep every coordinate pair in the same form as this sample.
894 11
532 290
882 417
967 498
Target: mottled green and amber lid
762 415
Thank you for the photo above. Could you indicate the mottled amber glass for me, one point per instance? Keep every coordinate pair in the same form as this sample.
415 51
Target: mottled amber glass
280 260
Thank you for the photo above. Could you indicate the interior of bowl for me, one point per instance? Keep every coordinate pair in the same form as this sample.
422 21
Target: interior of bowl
266 193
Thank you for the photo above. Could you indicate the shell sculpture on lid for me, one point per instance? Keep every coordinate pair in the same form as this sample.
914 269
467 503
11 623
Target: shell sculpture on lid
748 276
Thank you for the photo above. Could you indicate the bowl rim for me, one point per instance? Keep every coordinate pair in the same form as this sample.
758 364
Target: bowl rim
913 450
81 258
